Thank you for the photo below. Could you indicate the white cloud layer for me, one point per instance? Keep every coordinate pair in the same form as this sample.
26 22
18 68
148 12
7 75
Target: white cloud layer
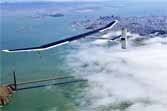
124 80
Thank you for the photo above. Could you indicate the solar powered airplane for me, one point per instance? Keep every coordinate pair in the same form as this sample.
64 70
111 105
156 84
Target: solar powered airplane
65 41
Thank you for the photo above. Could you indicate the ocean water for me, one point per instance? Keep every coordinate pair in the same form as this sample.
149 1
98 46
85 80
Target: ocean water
124 76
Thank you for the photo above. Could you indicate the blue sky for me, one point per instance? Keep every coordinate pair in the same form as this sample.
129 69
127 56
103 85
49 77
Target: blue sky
44 0
68 0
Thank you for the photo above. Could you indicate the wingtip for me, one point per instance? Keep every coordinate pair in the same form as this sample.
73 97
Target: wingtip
116 20
6 51
111 25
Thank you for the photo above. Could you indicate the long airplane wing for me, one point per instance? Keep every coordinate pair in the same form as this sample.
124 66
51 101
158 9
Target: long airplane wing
64 41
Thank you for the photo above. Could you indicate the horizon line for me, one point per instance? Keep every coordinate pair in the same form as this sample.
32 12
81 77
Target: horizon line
2 2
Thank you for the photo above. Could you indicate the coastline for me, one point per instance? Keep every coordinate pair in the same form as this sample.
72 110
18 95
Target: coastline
146 25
